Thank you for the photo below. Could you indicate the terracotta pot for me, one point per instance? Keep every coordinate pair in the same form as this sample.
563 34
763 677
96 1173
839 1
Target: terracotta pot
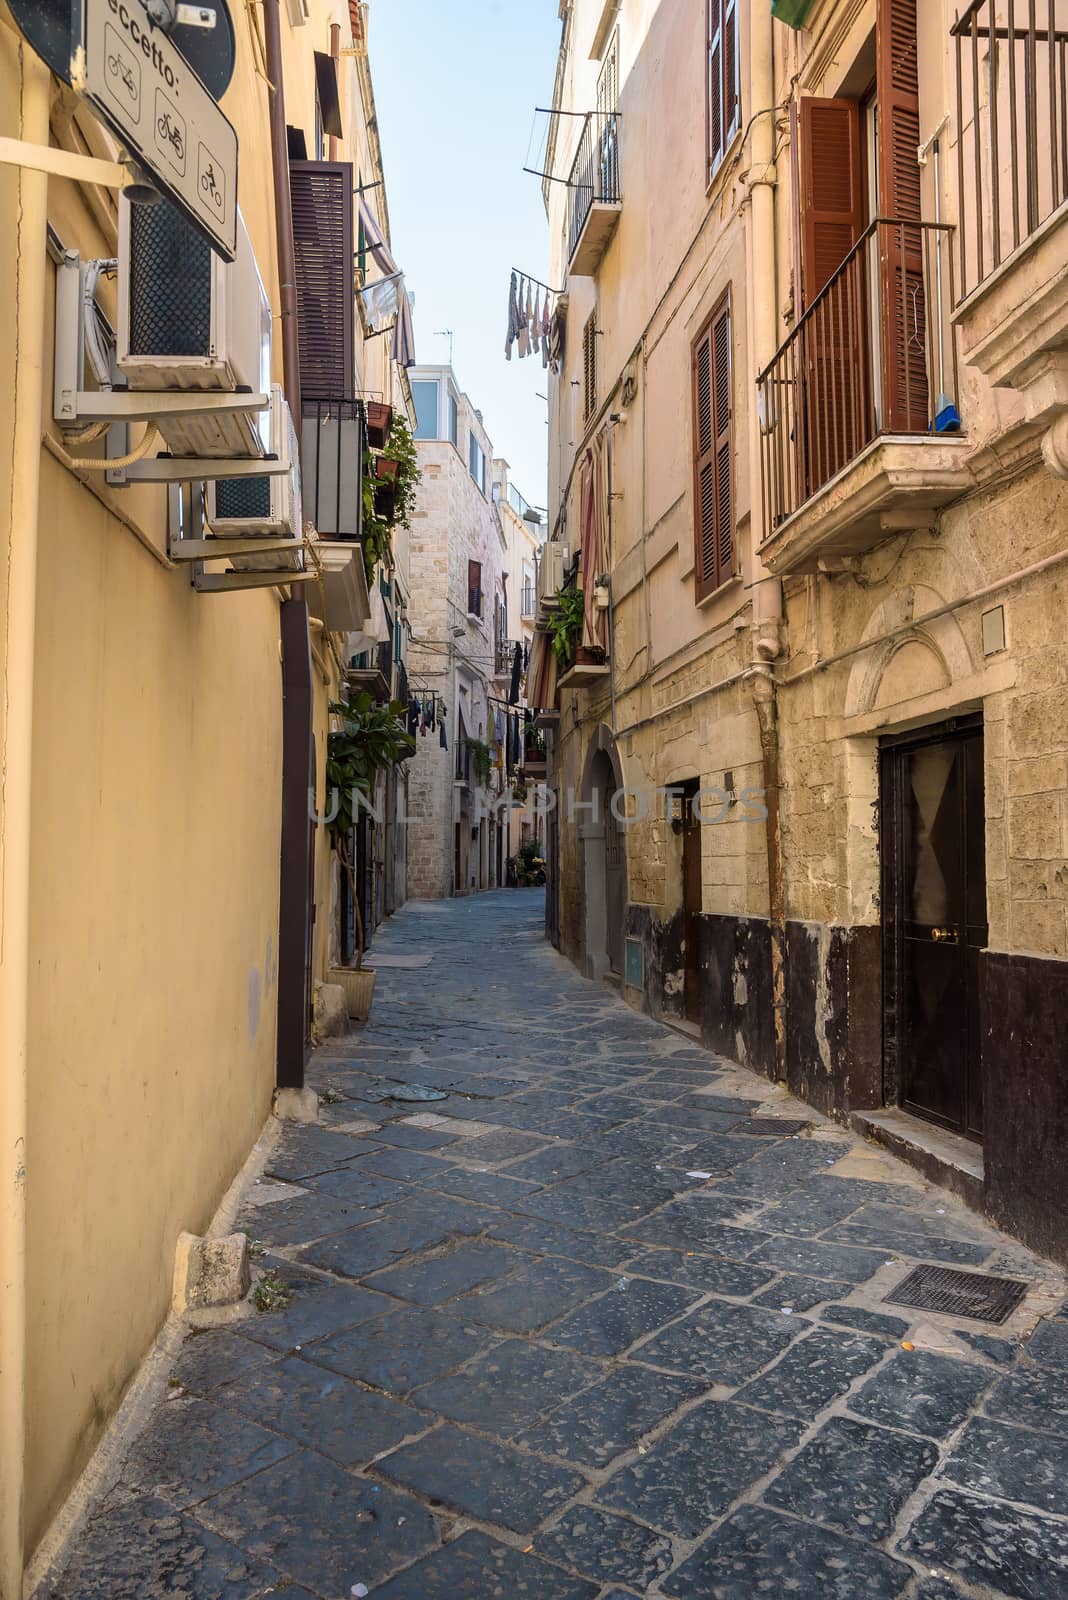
588 655
386 469
359 987
379 422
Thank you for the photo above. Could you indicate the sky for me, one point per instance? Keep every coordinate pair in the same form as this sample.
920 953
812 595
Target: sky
456 83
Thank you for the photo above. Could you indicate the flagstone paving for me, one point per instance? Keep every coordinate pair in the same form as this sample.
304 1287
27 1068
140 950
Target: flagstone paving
606 1322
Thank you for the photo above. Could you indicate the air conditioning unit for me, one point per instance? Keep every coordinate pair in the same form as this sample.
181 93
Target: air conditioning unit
189 320
262 507
552 569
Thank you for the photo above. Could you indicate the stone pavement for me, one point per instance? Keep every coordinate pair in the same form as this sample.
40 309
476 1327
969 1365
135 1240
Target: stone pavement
607 1321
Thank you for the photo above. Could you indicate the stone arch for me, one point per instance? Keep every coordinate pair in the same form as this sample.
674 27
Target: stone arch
937 650
604 857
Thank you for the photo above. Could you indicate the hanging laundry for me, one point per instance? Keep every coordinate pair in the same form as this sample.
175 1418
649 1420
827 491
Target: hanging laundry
513 319
498 726
524 322
441 736
535 326
517 675
413 716
530 316
545 332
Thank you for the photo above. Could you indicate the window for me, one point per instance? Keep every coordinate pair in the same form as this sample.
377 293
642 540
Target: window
322 202
724 95
589 368
713 459
476 457
454 421
474 588
425 396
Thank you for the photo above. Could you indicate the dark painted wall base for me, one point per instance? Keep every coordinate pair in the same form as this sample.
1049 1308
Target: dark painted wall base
834 1016
1024 1021
737 1014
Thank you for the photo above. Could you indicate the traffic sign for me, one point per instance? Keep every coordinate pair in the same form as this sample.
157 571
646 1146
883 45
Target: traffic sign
141 85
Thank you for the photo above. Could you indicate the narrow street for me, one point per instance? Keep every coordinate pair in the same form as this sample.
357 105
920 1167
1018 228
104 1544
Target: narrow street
607 1319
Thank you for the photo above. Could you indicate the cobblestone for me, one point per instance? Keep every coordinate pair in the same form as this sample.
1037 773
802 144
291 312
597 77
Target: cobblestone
603 1324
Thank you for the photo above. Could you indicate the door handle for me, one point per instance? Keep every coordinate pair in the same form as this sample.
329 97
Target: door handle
944 935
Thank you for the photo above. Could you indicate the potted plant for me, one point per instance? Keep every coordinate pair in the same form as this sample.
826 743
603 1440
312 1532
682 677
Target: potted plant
482 759
386 468
565 626
389 496
528 864
379 422
370 741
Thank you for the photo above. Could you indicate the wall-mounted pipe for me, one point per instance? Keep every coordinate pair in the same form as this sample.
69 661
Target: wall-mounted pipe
21 516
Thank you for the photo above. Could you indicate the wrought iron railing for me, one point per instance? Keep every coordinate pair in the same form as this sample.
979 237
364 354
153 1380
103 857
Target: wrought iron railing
333 435
594 172
504 655
873 354
1012 127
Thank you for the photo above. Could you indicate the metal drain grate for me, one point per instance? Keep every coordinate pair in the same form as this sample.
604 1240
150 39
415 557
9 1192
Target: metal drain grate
974 1295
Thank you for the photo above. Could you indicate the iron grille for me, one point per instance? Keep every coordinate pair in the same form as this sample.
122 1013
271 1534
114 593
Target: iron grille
976 1296
243 499
170 284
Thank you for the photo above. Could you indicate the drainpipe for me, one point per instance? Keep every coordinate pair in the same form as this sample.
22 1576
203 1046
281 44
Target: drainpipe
22 514
294 908
767 590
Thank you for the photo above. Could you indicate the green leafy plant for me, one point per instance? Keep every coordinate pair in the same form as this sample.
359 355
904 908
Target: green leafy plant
388 503
529 864
482 759
565 625
371 740
272 1293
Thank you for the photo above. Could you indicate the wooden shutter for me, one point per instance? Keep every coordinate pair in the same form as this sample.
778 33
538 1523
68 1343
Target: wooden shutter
323 251
722 79
904 321
589 368
474 588
713 454
831 189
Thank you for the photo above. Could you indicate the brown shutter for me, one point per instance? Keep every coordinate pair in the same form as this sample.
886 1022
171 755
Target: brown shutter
324 254
713 454
722 84
905 390
831 189
474 588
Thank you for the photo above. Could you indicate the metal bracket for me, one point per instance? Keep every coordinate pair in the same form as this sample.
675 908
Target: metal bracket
219 549
200 469
65 164
223 582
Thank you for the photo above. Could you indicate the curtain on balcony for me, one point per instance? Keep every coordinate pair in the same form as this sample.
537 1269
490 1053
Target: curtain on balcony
403 333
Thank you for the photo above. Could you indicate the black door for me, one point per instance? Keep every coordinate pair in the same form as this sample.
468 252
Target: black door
691 900
934 887
615 862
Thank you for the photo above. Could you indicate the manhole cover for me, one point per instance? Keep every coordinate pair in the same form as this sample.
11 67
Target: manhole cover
975 1295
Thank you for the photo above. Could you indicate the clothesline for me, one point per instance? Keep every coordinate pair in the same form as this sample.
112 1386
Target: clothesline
556 292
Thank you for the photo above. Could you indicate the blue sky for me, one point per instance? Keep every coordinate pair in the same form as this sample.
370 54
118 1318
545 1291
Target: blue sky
456 84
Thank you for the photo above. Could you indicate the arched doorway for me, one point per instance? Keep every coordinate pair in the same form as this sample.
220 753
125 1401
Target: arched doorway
602 837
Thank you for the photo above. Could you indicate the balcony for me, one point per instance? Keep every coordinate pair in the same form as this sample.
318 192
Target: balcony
1012 108
372 673
332 438
858 410
534 760
527 602
594 200
504 655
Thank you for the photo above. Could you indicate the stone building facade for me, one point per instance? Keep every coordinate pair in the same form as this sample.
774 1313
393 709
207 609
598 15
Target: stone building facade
457 567
824 364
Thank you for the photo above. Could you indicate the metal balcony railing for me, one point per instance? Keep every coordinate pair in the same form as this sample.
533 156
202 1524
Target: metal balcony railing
527 600
504 655
333 436
1012 122
873 354
594 172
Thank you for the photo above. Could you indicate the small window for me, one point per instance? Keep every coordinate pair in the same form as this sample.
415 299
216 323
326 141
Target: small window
474 588
477 460
713 453
454 421
425 396
722 84
589 368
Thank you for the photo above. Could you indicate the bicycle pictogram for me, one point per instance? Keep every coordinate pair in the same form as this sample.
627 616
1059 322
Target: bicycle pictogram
119 68
173 135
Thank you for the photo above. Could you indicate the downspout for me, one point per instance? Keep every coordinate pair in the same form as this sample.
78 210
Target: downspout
22 516
294 908
767 589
